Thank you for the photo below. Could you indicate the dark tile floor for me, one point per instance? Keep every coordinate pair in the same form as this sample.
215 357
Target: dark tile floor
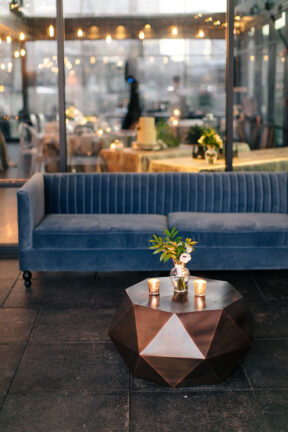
59 372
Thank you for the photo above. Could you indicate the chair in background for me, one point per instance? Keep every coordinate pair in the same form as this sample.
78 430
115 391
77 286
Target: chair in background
31 154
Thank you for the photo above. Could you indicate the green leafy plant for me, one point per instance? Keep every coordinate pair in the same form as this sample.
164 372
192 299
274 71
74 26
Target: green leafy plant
210 138
164 134
194 134
172 246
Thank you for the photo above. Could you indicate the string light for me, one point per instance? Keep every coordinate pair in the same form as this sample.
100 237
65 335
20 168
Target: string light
147 26
22 36
92 60
174 31
22 52
266 58
80 33
108 38
8 39
200 34
252 58
141 35
77 61
3 66
16 54
2 88
51 31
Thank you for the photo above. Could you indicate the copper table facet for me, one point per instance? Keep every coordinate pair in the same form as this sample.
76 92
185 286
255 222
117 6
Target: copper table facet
183 340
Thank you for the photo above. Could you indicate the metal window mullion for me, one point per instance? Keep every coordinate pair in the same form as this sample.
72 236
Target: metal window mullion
229 84
60 33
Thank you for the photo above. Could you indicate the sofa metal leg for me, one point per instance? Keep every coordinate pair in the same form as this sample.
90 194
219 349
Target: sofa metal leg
27 276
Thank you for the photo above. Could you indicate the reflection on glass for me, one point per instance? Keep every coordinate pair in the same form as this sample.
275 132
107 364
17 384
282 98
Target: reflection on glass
260 110
28 91
118 70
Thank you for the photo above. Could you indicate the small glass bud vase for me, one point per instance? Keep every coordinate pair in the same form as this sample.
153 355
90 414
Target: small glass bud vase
180 276
211 155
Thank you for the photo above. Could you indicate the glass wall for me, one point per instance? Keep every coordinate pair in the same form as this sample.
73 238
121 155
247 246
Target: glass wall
134 64
28 89
260 94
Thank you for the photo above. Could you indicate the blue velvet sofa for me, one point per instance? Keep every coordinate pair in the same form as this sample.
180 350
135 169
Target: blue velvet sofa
104 221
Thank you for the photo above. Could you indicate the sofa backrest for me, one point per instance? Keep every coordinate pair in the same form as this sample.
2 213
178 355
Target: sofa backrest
162 193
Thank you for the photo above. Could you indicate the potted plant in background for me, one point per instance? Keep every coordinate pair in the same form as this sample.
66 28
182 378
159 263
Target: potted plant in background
165 134
212 143
173 247
193 135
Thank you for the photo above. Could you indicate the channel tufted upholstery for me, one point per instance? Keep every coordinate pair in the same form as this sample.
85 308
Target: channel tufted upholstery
105 221
162 193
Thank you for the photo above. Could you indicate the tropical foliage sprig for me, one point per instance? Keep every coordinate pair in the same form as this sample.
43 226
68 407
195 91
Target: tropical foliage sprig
210 138
172 246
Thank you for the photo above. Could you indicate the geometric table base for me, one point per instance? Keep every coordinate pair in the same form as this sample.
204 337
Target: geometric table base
183 342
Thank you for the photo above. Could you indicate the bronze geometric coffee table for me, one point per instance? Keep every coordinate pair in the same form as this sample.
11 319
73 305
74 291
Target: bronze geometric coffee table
183 341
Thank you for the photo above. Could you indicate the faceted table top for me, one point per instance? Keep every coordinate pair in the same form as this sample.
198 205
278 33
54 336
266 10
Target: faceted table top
219 294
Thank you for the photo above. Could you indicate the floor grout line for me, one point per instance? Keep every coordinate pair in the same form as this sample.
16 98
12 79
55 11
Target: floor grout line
21 358
258 288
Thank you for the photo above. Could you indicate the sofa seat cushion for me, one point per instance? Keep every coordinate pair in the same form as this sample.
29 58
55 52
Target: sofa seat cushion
97 231
233 229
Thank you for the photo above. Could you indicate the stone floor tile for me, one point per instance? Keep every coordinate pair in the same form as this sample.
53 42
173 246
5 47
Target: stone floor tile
237 381
65 412
16 324
10 356
271 321
51 294
197 412
9 268
274 285
71 367
274 405
73 325
5 286
267 364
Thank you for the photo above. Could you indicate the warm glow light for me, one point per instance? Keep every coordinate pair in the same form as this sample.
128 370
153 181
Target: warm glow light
120 63
9 66
2 88
237 18
92 60
252 58
176 112
147 26
16 54
217 23
0 41
77 61
154 286
108 38
2 66
51 31
174 31
100 132
152 59
8 39
266 58
283 59
141 35
80 33
22 52
72 73
200 287
22 36
200 34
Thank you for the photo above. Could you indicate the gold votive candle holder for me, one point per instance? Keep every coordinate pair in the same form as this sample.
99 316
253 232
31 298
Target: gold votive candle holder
154 286
200 287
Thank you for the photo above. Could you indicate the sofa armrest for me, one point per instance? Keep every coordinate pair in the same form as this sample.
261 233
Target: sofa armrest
31 209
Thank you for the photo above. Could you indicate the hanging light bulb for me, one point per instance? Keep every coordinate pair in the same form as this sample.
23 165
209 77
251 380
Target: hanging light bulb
16 54
8 39
141 35
147 26
22 36
108 38
200 34
22 52
51 31
80 33
174 31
